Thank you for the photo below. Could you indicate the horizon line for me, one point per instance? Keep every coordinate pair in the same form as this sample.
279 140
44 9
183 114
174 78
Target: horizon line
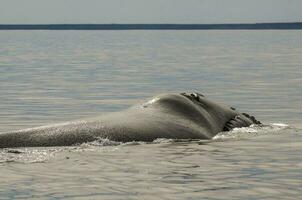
161 26
293 22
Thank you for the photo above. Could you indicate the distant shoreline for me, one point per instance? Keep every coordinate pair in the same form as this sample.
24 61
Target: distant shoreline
256 26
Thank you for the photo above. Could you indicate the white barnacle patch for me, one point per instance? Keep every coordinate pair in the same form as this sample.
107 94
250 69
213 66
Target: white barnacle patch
152 101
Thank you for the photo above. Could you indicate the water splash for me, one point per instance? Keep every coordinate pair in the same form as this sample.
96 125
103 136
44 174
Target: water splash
252 131
101 142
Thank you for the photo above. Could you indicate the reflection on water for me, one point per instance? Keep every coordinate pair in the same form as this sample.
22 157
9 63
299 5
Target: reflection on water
55 76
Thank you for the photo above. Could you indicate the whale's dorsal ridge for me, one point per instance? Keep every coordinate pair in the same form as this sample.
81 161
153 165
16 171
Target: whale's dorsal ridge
171 116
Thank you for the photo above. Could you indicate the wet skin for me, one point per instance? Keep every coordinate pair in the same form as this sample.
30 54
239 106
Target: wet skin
175 116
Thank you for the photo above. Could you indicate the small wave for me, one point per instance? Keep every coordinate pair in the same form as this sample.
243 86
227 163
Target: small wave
253 130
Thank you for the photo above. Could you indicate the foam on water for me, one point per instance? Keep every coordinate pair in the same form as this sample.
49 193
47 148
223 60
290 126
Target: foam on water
101 142
252 131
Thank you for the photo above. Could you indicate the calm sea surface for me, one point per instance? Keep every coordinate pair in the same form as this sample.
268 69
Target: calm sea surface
55 76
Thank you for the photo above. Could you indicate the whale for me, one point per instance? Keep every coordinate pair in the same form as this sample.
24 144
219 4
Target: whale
171 116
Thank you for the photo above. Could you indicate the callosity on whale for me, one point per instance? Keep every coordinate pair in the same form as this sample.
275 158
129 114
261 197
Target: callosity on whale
175 116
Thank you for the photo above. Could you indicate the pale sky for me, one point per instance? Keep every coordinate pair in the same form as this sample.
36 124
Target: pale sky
149 11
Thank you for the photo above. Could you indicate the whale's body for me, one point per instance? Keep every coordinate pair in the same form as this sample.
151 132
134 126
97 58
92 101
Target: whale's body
175 116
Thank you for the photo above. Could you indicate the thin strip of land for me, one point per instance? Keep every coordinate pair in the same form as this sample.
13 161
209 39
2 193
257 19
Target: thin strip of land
257 26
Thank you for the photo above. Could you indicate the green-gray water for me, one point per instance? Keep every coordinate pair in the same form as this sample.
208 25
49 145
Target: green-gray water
56 76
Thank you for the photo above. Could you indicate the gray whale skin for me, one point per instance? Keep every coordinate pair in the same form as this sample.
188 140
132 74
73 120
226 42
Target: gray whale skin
175 116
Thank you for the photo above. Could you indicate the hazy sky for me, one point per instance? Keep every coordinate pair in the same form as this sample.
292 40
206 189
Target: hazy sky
149 11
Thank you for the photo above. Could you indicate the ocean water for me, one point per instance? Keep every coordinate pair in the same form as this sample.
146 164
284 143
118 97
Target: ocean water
55 76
